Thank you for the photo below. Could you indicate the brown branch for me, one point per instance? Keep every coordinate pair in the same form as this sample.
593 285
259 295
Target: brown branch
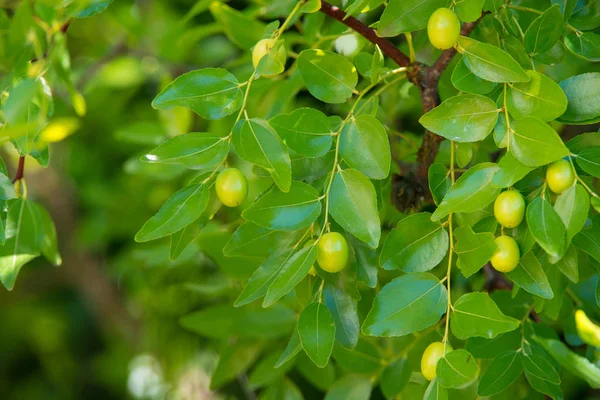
429 94
370 34
20 169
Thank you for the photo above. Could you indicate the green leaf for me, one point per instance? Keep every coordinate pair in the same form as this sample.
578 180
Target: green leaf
541 97
457 369
194 150
583 94
463 118
589 161
588 239
234 359
409 303
511 171
469 10
466 81
364 145
545 387
395 377
566 7
7 189
473 249
367 263
293 347
365 358
353 205
473 191
343 308
476 314
353 387
538 364
546 227
212 93
252 240
272 63
289 211
182 208
576 364
489 62
530 276
406 16
328 76
321 378
534 143
23 239
435 391
316 329
292 272
502 372
585 45
415 245
241 29
572 206
568 264
265 372
305 130
439 181
256 142
49 243
544 31
586 15
182 238
492 348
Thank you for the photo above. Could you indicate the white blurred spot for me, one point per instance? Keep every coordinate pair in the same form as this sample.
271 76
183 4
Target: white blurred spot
146 378
346 45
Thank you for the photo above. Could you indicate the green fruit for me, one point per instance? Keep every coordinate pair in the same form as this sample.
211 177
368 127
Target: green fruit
560 176
263 47
509 208
443 28
431 356
332 252
507 255
231 187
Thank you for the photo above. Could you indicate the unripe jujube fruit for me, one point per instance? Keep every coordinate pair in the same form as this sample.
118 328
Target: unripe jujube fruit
507 255
431 356
232 187
263 47
332 252
509 208
560 176
443 28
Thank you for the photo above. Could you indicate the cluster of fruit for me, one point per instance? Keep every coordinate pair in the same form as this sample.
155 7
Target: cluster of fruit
332 248
509 210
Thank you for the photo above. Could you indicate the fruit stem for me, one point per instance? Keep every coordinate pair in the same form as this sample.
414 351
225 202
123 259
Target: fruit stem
450 253
411 49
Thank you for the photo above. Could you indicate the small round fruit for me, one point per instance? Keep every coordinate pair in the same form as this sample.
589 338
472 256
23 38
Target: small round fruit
431 356
231 187
586 329
507 255
560 176
332 252
443 28
509 208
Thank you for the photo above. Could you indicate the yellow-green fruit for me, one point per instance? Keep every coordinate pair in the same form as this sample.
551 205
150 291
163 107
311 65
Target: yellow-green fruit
586 329
431 356
231 187
263 47
509 208
332 252
443 28
560 176
507 255
312 270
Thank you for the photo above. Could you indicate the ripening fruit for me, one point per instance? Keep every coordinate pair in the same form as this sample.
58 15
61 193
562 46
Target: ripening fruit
431 356
231 187
509 208
312 270
586 329
332 252
507 255
262 48
560 176
443 28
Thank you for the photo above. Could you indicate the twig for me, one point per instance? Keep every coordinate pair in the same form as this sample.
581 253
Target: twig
370 34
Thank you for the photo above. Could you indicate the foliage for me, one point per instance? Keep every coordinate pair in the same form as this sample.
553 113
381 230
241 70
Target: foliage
330 141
